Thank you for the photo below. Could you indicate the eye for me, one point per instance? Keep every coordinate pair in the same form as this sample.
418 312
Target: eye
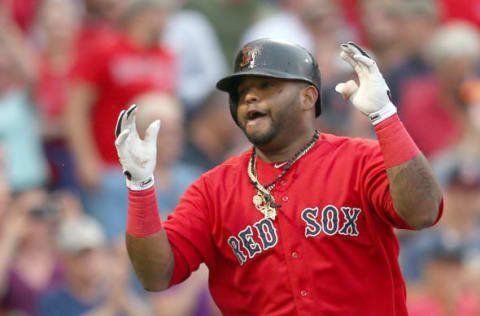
241 91
266 85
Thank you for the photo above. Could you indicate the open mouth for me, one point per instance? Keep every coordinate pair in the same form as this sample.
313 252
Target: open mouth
254 114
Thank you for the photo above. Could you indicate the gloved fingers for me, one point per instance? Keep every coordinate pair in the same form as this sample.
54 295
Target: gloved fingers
366 61
132 108
347 89
130 118
152 132
118 128
122 137
361 56
355 65
357 49
360 69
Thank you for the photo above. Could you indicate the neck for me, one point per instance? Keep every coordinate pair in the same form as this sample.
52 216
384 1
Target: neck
272 153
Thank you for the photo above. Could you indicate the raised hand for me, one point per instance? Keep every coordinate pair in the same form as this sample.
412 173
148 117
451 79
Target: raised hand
372 96
137 156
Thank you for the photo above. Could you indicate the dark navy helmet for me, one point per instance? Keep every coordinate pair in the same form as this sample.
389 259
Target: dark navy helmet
272 58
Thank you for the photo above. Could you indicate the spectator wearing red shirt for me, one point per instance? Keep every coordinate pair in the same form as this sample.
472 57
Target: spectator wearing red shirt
100 21
105 79
431 108
57 27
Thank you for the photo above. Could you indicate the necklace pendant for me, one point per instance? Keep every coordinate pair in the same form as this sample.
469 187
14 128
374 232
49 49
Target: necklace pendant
258 200
270 213
263 206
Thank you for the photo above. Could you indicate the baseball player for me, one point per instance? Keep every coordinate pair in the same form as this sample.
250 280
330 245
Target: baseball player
300 224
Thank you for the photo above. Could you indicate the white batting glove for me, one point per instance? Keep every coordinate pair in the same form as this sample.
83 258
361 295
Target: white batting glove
372 97
137 156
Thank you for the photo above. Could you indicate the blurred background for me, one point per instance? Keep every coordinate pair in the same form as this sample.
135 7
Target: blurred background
68 67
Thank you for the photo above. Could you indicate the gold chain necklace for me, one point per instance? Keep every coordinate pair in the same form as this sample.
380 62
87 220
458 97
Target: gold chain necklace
264 200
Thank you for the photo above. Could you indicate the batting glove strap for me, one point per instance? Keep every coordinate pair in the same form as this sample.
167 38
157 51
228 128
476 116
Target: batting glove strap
140 185
382 114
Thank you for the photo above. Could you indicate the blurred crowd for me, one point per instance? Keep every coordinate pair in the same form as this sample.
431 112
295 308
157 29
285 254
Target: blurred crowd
68 67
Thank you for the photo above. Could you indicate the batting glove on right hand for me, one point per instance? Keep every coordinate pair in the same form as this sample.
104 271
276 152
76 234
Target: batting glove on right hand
137 157
372 97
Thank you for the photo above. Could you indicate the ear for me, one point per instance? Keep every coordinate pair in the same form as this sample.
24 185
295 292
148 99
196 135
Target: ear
308 97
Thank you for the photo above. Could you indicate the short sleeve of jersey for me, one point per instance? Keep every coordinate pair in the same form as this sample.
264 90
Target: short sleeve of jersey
188 231
375 185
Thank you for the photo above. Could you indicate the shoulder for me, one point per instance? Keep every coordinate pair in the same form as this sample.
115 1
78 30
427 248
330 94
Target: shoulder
352 144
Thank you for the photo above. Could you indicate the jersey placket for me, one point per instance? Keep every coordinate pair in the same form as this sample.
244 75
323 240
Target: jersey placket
292 237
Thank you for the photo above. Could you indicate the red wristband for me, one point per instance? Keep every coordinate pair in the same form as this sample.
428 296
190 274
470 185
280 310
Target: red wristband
143 216
396 144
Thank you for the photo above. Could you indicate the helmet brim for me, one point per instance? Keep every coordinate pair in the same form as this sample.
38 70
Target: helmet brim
229 83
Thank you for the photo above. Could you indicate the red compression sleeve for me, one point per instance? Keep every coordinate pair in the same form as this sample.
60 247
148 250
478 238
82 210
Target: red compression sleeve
396 144
143 216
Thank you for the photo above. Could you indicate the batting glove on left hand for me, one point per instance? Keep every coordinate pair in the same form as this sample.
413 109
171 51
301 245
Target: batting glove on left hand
137 157
372 97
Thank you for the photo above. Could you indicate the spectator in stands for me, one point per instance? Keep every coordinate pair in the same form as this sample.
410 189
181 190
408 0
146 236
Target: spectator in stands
57 29
211 136
194 41
442 291
431 107
418 21
25 163
460 226
95 276
104 81
29 266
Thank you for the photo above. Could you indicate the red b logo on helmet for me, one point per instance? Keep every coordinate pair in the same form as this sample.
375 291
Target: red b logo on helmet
247 56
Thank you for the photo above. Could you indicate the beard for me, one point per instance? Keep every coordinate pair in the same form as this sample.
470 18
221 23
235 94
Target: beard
263 138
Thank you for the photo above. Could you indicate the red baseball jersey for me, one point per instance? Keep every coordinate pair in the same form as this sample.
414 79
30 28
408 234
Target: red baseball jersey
330 251
120 71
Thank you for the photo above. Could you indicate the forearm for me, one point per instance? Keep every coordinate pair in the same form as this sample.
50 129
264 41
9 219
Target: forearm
152 260
415 192
147 243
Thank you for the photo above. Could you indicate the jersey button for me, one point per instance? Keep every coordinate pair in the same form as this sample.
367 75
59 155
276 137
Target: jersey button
285 198
303 293
294 255
283 182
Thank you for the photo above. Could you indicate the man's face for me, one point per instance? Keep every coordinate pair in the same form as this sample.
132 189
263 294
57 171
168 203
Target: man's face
266 107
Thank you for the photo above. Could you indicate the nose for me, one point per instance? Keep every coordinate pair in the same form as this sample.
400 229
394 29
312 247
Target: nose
252 95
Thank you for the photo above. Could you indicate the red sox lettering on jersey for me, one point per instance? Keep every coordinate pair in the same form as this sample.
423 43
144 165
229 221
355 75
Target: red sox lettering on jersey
244 246
331 249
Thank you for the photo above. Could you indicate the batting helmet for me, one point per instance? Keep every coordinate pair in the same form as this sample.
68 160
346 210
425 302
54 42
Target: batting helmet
272 58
